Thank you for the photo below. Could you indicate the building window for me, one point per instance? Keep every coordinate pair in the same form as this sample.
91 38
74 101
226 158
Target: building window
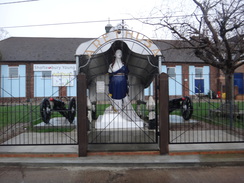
46 74
171 72
13 72
199 72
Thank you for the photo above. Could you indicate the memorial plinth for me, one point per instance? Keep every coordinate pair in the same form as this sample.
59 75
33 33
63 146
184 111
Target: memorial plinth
119 120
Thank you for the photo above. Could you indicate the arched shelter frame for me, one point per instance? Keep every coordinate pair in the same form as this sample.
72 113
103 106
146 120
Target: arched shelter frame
143 59
142 55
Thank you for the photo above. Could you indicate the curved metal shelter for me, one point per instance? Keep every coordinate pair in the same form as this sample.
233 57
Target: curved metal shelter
140 55
114 121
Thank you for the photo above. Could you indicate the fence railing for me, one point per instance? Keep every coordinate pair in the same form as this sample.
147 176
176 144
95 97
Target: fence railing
213 120
21 120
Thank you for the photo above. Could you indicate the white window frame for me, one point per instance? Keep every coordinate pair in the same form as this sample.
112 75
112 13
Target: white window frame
13 76
196 75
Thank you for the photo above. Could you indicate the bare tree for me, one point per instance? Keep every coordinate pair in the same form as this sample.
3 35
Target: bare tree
215 30
3 34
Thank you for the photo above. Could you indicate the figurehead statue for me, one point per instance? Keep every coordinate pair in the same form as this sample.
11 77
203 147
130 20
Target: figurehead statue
118 77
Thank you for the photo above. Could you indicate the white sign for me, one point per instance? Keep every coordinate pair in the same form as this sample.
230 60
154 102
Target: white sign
62 74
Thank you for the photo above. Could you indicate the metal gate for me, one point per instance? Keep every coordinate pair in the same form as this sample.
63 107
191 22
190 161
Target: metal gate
133 121
129 119
44 120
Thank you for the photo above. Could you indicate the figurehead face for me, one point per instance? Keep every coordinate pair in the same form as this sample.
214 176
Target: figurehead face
118 54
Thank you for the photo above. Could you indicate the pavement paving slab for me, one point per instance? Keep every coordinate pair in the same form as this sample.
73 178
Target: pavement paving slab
131 161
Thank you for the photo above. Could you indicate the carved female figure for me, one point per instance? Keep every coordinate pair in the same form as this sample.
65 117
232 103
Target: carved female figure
118 76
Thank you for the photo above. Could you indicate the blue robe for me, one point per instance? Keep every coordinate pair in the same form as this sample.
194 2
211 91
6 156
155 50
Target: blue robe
118 86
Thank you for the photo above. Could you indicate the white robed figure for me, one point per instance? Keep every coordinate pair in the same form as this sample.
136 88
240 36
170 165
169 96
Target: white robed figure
121 112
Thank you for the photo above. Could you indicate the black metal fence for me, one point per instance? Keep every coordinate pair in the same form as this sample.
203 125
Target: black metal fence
22 119
27 119
213 120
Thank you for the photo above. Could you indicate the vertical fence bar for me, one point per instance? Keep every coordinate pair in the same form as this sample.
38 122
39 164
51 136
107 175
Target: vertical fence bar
156 106
82 114
163 113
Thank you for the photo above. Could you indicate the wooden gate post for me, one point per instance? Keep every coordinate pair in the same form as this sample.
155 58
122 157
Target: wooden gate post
82 114
163 114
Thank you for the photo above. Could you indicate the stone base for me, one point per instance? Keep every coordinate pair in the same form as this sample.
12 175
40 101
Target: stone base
55 123
175 119
116 121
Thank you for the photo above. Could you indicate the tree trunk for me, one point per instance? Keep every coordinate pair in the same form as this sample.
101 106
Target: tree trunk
229 107
229 87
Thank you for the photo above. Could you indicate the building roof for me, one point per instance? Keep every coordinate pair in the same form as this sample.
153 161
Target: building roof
173 55
63 49
39 49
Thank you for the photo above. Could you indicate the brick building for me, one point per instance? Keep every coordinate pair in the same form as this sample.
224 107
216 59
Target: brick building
27 64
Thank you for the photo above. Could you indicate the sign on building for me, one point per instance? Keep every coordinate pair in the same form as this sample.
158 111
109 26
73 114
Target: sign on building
61 74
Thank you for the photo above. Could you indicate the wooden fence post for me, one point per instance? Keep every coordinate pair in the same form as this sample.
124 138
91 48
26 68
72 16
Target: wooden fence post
82 114
163 114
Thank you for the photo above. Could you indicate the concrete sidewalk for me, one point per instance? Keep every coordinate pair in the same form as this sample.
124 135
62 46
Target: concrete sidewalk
174 149
174 169
179 155
149 161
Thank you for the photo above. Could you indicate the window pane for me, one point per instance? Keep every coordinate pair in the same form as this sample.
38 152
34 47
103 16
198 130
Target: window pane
199 72
46 74
13 72
171 72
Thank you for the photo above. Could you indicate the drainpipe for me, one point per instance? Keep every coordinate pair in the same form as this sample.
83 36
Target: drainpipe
159 64
77 64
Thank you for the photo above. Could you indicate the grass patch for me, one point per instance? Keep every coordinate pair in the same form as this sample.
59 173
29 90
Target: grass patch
100 108
18 114
201 112
47 130
13 114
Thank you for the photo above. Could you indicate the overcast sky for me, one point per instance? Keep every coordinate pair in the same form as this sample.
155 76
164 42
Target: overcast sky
43 12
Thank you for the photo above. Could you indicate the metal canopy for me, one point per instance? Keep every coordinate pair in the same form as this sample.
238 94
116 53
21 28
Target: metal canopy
140 56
